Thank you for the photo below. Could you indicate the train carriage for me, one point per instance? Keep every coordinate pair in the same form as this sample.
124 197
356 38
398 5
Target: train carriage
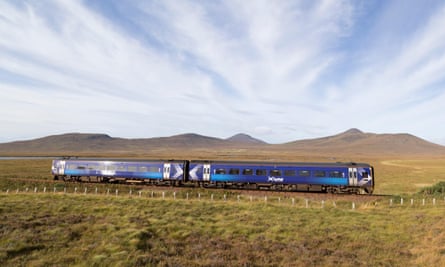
327 177
154 171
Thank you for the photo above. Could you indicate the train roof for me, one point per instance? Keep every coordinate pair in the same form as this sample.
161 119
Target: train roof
118 159
272 163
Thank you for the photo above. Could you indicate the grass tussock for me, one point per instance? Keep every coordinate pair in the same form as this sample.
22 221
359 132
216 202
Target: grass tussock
437 189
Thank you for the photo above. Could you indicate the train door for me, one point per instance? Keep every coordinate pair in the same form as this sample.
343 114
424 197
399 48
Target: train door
206 172
167 167
353 179
59 167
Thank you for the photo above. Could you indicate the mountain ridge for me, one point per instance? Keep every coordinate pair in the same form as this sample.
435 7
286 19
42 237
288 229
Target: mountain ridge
352 141
356 140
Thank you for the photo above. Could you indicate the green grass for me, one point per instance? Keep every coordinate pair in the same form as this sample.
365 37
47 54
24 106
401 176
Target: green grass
30 168
58 229
74 229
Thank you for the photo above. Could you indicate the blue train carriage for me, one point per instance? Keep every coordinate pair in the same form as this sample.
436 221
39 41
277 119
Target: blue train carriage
322 177
115 171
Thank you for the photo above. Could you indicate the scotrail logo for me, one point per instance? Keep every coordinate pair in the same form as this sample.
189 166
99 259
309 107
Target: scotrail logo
273 179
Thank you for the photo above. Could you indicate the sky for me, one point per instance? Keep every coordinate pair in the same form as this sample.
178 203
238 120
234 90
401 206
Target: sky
277 70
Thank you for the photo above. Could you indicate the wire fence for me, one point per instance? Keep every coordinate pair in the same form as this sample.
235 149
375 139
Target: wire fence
296 201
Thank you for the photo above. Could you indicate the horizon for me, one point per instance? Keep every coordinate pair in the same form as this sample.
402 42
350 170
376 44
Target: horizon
277 71
221 138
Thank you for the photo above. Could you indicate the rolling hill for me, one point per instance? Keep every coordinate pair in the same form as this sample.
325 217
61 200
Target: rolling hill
102 143
354 140
245 139
350 142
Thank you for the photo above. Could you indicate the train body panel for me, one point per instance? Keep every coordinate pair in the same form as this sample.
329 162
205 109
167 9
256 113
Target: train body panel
330 177
157 170
342 175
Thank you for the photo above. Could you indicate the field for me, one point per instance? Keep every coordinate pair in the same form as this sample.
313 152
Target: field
220 228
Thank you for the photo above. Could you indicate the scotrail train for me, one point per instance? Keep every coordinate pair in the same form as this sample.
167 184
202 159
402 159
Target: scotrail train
322 177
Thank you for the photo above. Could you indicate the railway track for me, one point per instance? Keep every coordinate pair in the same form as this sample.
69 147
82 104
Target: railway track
22 182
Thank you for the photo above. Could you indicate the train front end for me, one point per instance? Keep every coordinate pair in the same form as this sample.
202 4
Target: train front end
361 177
58 168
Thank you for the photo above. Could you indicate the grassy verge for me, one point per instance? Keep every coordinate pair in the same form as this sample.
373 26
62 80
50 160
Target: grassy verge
58 229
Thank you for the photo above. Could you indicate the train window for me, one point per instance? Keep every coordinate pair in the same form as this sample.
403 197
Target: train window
154 169
247 172
364 174
132 168
220 171
275 173
319 173
121 168
304 173
261 172
92 167
111 168
81 167
72 166
143 169
290 172
336 174
234 171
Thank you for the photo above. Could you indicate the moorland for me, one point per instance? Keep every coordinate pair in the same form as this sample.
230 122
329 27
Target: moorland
43 225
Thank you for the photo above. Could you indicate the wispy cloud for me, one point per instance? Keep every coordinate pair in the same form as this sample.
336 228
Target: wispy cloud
278 70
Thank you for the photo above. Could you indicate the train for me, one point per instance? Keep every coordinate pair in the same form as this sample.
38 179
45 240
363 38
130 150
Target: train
339 177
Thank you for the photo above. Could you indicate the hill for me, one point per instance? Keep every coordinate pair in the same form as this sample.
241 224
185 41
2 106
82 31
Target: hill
245 139
352 142
101 143
356 141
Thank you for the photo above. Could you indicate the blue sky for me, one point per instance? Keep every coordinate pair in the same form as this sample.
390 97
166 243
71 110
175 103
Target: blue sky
277 70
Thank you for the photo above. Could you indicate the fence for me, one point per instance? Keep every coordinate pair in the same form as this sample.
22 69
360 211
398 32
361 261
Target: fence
266 199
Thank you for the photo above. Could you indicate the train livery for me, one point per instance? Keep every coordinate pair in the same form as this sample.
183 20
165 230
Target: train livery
320 177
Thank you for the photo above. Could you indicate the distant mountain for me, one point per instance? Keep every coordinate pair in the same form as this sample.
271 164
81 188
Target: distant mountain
244 139
352 142
102 143
59 143
183 140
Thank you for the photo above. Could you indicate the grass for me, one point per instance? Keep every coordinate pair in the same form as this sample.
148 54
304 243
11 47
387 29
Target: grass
407 176
56 229
437 189
26 168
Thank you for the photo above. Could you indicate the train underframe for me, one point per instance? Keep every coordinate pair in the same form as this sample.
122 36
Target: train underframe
222 185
